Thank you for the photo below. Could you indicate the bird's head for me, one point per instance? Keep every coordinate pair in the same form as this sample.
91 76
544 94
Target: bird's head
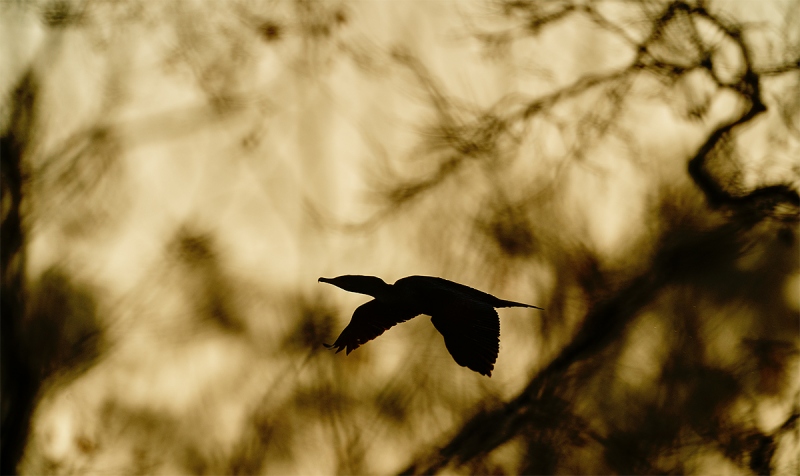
370 285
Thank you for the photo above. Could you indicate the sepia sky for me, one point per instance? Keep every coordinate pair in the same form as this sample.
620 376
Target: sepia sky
190 168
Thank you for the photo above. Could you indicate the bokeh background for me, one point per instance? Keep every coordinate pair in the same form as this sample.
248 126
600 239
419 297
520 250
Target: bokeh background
176 175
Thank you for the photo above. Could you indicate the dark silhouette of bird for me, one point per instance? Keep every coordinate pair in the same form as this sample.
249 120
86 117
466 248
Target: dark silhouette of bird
465 316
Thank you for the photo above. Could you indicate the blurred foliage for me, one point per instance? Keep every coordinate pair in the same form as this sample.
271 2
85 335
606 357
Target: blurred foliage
176 175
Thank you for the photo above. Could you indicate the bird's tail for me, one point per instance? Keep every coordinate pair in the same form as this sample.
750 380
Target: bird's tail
504 303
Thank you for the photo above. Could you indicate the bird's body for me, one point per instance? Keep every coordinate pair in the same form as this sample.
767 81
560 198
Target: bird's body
465 316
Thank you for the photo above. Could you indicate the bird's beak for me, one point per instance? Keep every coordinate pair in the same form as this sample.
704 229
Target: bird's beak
324 280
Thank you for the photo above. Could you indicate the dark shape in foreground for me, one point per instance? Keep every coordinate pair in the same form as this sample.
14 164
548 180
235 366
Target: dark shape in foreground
465 316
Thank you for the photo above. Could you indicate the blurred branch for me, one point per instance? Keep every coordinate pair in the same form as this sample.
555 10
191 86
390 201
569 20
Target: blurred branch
19 384
608 316
762 200
610 313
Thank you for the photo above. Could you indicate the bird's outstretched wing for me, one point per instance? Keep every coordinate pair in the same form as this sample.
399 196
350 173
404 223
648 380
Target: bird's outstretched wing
471 333
369 321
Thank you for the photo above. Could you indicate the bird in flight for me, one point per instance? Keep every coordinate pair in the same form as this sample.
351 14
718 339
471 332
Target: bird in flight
465 316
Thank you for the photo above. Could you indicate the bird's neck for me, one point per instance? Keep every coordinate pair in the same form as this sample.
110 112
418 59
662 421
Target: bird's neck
380 290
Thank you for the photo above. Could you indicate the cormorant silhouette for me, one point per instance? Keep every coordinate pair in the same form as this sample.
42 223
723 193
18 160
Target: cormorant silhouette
465 316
